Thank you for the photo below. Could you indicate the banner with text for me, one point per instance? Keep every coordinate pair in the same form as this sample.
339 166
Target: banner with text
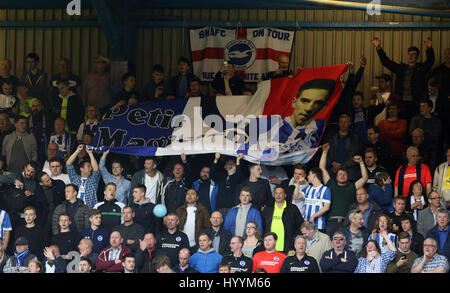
253 51
282 123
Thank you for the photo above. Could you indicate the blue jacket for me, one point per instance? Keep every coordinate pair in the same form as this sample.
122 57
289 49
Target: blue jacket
382 197
99 237
206 262
213 192
253 215
434 233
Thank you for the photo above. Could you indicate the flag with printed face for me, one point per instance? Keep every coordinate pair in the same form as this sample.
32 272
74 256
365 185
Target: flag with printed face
282 123
253 51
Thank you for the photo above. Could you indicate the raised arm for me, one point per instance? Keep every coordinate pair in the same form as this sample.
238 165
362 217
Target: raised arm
94 163
430 54
361 181
388 63
105 154
74 155
323 163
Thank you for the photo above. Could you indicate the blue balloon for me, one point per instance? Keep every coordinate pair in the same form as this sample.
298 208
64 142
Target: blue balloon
159 211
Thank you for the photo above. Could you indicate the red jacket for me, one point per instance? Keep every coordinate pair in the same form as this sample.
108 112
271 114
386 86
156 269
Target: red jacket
109 266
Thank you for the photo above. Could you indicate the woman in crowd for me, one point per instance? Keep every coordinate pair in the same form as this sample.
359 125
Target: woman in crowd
372 259
416 200
91 122
382 224
252 240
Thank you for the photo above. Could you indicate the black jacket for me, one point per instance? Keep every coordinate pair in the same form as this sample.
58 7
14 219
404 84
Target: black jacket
57 196
292 220
345 98
75 111
111 214
143 261
225 238
236 84
227 186
144 216
189 270
332 263
174 82
418 81
174 192
352 148
262 196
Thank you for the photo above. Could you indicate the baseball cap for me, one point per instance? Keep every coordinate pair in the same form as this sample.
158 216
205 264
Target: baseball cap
21 241
384 76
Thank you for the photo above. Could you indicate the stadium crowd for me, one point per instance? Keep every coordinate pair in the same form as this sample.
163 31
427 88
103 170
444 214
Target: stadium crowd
376 199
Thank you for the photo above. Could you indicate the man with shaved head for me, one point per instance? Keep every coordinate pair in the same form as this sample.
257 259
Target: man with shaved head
220 237
412 170
183 267
110 259
283 68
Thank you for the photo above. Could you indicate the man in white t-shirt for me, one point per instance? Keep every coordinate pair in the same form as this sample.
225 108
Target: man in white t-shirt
56 173
152 178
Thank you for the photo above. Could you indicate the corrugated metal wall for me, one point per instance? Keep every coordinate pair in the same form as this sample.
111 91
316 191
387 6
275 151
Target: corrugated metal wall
80 45
312 47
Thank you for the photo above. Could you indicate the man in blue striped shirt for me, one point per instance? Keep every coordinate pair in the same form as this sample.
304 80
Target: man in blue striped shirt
317 199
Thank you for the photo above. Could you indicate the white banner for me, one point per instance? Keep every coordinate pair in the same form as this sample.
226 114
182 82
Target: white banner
253 51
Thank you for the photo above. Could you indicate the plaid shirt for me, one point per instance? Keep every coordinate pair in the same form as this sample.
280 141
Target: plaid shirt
437 261
90 195
378 265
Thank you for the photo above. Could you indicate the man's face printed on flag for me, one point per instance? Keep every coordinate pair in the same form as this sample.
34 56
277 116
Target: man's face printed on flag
307 105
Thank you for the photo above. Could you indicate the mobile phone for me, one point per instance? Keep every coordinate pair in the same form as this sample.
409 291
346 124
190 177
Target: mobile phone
403 256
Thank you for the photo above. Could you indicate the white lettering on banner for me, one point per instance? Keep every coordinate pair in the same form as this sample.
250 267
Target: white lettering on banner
211 31
74 7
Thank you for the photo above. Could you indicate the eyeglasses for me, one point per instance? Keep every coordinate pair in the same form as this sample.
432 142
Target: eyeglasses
338 238
429 245
251 227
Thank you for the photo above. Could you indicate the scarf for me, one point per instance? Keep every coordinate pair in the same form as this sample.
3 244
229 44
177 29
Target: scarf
21 256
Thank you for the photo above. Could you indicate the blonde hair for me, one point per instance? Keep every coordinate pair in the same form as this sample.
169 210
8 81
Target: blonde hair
97 113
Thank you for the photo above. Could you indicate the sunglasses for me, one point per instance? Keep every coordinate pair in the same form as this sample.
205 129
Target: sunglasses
338 238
